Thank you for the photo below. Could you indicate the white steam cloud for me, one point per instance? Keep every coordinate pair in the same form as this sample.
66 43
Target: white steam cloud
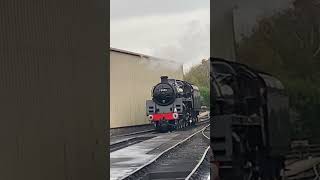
181 37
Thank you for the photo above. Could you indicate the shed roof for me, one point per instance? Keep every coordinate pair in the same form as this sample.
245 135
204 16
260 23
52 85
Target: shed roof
142 55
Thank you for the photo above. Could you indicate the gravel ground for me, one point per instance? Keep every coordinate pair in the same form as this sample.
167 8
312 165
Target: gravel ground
203 172
178 163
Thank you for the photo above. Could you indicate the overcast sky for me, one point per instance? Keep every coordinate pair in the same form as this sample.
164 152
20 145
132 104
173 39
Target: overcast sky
176 29
172 29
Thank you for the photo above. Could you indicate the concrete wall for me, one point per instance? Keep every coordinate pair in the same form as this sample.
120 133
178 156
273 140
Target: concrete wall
131 79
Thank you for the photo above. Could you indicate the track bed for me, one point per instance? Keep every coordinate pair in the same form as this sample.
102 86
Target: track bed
178 163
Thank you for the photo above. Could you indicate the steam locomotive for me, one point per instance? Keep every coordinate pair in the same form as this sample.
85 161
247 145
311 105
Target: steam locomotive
250 117
175 104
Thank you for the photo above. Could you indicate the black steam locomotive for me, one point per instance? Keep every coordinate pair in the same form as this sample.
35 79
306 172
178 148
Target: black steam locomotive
250 117
175 104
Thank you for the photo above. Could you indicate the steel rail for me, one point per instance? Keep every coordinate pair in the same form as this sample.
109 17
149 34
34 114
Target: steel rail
202 158
199 163
204 120
163 153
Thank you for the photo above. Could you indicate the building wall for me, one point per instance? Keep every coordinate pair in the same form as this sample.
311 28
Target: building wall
131 80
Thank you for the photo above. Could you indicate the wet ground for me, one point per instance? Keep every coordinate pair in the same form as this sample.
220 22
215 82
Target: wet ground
126 160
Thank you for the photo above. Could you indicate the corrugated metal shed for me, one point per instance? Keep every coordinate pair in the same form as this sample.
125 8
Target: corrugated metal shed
132 75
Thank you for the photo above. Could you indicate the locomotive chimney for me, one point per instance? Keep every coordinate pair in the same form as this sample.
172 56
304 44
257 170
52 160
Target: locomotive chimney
164 79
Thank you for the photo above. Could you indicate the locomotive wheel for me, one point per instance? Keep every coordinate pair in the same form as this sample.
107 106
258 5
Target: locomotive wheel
175 126
178 124
188 120
194 121
171 128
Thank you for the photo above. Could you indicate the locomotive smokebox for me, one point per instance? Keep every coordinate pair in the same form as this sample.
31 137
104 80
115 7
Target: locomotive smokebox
164 79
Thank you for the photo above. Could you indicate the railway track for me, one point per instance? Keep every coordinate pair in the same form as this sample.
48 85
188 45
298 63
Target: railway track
129 139
128 142
134 133
204 117
186 159
202 169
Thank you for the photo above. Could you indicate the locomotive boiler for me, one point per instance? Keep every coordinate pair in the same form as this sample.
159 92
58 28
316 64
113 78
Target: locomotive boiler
175 104
250 117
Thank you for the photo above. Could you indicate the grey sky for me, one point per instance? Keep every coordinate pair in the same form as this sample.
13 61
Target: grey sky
129 8
172 29
176 29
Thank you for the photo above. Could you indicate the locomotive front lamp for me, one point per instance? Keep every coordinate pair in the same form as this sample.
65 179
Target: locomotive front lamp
175 115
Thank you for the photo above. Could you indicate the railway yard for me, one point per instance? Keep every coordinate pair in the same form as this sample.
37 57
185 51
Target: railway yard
185 154
181 154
